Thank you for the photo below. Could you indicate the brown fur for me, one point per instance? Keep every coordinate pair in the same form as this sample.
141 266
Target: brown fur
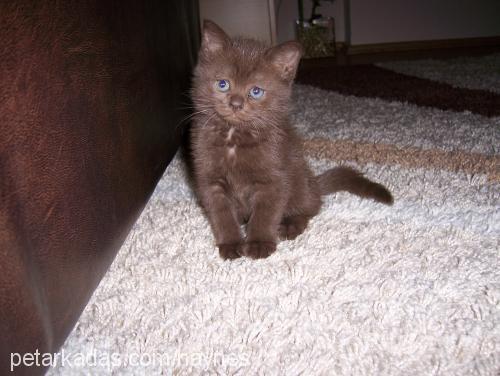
248 161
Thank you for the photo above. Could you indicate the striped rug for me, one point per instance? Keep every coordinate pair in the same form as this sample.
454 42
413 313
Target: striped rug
412 289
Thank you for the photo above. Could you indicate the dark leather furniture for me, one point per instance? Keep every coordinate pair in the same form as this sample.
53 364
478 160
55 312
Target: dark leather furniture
91 93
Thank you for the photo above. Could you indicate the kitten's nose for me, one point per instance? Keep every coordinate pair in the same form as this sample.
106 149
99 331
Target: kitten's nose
236 102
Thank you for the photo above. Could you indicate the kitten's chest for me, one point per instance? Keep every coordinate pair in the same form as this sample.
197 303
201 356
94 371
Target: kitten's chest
234 152
230 146
234 147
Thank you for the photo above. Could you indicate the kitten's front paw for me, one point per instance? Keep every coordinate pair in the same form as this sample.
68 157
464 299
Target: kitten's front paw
258 250
229 251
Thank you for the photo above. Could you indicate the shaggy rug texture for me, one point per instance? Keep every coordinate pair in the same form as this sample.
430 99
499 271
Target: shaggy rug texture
412 289
465 72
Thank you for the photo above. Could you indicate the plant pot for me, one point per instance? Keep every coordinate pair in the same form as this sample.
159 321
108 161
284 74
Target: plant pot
317 38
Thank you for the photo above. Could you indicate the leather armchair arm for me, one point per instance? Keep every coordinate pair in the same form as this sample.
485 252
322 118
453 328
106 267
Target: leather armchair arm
90 99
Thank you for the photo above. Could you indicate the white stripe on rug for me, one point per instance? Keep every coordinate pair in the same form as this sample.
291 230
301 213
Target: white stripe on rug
479 72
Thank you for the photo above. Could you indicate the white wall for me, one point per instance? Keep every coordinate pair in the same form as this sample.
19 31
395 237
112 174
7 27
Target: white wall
252 18
386 21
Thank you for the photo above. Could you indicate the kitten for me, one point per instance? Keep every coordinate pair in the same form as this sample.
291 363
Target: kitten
248 161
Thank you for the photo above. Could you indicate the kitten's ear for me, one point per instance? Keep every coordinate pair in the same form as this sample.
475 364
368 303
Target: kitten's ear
285 58
213 39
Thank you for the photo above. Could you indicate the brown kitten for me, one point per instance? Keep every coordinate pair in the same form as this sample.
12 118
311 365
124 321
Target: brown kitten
248 162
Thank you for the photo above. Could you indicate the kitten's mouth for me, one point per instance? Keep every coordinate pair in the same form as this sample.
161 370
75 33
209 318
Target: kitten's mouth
232 117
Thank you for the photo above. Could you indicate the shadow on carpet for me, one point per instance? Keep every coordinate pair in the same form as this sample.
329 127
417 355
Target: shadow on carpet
372 81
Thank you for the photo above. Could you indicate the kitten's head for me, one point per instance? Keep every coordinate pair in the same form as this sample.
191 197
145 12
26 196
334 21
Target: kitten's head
242 81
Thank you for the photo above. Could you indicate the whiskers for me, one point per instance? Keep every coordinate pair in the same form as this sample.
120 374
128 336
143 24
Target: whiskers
202 110
208 119
261 123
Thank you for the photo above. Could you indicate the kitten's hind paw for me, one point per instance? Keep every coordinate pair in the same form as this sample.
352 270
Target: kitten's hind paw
229 251
257 250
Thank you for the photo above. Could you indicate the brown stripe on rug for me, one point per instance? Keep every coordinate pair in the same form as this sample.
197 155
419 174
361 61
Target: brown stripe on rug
346 150
372 81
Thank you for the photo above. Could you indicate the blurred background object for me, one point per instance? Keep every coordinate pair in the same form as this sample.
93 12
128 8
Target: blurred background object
354 27
317 33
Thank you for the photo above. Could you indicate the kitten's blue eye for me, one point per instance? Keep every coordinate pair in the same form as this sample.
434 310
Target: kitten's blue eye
222 85
256 92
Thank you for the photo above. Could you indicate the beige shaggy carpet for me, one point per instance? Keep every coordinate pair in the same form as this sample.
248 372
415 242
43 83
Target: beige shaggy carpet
412 289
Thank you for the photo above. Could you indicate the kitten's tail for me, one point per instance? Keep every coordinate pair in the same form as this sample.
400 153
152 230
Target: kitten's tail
346 179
